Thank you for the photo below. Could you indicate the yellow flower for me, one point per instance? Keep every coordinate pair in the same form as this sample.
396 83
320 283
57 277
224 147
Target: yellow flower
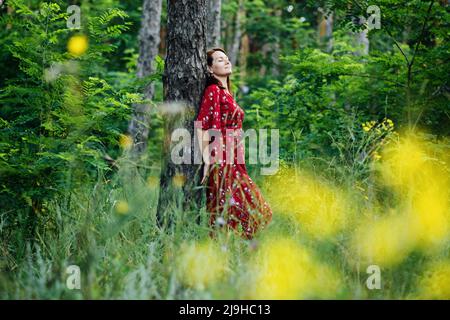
435 282
77 45
421 183
389 123
430 215
318 207
403 162
125 141
376 156
283 269
201 264
152 182
385 241
179 180
368 125
121 207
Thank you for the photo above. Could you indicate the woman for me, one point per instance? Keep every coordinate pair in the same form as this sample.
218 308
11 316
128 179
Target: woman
233 199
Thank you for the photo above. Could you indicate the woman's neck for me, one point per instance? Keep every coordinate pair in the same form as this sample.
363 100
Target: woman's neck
223 80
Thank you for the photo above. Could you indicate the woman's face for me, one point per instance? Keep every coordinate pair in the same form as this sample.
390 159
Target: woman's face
221 66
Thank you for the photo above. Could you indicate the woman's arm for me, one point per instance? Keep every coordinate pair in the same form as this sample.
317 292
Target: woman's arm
210 117
203 142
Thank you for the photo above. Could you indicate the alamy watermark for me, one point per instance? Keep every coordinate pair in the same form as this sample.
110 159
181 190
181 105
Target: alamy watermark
227 147
74 19
373 21
374 280
73 281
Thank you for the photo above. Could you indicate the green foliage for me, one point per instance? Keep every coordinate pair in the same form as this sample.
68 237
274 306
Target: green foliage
70 195
59 117
324 98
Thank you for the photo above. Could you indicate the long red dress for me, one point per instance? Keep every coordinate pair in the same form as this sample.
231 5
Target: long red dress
232 197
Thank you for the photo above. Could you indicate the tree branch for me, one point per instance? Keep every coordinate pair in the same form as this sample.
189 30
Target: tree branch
422 32
372 77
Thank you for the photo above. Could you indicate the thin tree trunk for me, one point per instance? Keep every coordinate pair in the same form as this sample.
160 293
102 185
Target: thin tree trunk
214 28
326 30
265 51
362 41
276 50
184 82
243 54
244 49
325 38
234 50
149 40
271 52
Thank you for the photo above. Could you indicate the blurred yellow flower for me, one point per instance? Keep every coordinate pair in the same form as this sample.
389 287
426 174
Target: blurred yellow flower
77 45
152 182
430 215
421 183
376 156
318 207
385 241
435 282
404 160
283 269
179 180
125 141
121 207
201 264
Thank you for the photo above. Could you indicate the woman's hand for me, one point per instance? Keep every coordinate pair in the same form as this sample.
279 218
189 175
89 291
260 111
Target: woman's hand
205 173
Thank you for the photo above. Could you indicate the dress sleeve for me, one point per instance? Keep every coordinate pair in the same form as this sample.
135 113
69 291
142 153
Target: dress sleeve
209 113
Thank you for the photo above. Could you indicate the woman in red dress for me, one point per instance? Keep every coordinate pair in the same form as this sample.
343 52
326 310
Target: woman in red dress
232 198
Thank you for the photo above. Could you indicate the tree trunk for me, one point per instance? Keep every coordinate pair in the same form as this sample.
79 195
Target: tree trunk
326 30
149 39
214 28
271 52
362 42
233 52
265 49
276 50
184 82
245 49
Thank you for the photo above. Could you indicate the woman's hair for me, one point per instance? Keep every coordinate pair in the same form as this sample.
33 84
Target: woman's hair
210 79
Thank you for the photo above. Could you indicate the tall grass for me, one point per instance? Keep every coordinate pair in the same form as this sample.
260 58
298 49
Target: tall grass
326 230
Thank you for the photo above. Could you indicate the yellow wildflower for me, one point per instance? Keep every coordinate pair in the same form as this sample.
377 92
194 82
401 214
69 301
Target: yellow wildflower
179 180
121 207
125 141
283 269
318 207
201 264
77 45
435 283
385 241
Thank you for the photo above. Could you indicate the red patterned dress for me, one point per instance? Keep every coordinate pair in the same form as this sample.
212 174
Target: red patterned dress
232 197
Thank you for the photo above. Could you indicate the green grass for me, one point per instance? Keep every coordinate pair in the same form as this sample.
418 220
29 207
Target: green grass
126 256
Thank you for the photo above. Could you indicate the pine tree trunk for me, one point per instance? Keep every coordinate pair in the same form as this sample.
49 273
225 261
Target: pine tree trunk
149 39
184 82
214 28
